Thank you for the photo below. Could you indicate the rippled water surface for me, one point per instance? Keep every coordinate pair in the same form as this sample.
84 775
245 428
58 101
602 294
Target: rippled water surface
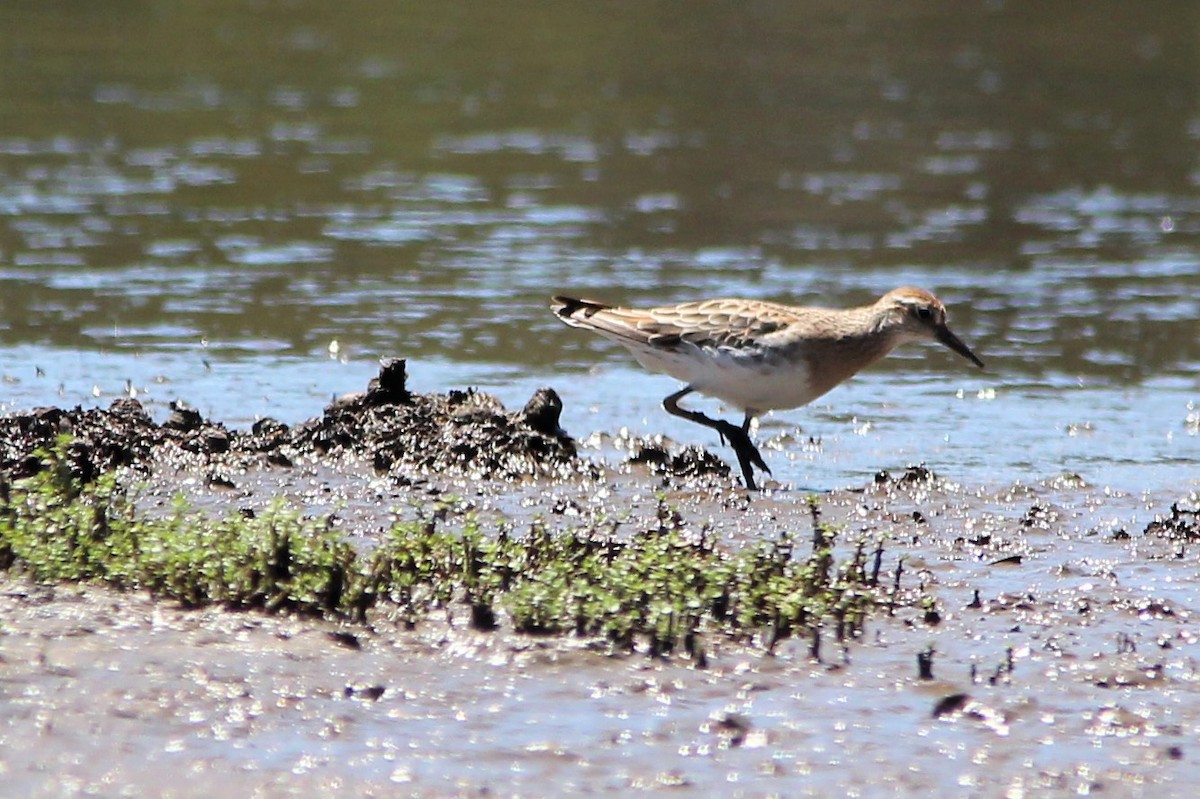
245 204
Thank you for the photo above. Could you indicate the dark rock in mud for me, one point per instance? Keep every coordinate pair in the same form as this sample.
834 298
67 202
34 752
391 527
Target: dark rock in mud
733 727
913 474
950 704
371 692
391 386
183 417
542 413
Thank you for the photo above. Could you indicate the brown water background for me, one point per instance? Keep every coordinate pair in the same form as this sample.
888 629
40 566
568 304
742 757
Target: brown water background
244 204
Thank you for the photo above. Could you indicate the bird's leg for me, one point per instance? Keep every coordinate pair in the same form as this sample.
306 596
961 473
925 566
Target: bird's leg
746 451
737 437
755 455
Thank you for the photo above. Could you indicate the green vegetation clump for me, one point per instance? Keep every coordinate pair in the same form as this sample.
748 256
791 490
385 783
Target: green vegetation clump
55 527
659 587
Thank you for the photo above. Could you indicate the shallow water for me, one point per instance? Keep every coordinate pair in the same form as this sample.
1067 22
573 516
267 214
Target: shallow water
244 205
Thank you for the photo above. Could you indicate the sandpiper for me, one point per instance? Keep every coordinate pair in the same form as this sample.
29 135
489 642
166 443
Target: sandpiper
762 356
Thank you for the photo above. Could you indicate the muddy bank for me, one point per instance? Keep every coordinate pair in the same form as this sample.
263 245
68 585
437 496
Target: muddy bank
1056 657
405 435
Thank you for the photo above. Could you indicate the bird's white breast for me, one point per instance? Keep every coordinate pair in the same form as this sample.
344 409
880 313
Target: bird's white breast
746 379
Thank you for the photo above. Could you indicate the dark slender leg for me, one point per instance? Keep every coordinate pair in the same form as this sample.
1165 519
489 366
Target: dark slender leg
737 437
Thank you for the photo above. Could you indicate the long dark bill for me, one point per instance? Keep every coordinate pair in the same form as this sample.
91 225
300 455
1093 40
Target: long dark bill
947 337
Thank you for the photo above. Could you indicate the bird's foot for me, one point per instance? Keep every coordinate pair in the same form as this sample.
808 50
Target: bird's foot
748 454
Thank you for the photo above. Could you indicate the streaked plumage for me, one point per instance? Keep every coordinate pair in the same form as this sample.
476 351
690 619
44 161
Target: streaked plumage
760 356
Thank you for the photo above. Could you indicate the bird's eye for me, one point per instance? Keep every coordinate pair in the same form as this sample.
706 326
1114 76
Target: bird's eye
924 313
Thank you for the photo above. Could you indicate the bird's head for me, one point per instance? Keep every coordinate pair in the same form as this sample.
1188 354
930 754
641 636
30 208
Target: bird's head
918 315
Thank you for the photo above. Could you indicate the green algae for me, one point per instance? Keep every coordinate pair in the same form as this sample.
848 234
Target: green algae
660 589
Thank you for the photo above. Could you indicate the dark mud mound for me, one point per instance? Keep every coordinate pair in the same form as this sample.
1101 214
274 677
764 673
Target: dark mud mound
99 439
402 433
690 463
461 431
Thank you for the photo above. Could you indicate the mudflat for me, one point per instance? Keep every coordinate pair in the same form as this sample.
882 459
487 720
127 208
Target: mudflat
1021 640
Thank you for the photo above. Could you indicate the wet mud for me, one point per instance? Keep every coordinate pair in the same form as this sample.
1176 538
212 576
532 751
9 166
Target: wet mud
1046 650
401 433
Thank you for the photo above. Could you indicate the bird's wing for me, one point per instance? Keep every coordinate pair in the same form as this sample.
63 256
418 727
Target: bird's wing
733 324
